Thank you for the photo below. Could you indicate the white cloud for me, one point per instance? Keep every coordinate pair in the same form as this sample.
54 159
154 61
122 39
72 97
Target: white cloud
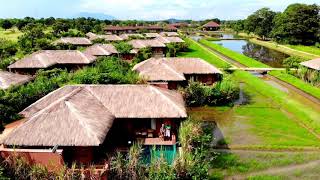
183 9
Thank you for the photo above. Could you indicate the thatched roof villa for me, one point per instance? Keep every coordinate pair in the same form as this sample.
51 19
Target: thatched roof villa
211 26
167 40
177 71
312 64
169 34
157 47
128 36
152 35
8 79
101 50
77 41
87 120
46 59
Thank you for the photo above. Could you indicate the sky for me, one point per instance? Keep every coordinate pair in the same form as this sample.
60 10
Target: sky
143 9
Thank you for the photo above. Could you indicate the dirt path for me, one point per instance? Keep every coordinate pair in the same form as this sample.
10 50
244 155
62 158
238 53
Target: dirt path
278 170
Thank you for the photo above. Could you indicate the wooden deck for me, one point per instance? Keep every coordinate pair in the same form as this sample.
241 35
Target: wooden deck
158 141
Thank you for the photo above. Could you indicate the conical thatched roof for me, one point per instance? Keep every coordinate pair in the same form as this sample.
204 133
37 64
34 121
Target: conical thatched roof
169 34
101 50
152 35
167 40
138 44
73 40
8 79
127 36
211 24
82 115
47 58
313 64
173 69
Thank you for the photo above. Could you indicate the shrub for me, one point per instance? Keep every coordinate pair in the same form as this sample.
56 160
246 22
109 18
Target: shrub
7 48
123 47
174 48
292 62
196 94
224 92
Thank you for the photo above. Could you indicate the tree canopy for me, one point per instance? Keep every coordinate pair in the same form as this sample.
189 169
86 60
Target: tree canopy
298 24
260 22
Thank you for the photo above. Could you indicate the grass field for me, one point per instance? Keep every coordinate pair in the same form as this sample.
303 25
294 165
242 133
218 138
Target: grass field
11 34
237 163
301 51
300 84
196 50
308 49
247 61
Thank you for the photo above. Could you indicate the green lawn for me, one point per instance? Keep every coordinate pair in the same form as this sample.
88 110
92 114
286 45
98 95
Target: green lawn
247 61
308 49
301 51
300 84
196 50
11 34
229 164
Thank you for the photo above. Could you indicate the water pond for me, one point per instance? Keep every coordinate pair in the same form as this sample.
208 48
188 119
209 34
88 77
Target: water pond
268 56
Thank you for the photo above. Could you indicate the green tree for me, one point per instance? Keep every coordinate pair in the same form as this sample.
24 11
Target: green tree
6 24
260 22
298 24
123 47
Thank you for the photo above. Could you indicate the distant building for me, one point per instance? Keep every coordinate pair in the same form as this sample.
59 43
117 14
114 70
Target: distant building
128 36
157 47
8 79
312 64
169 34
171 28
132 29
49 59
173 72
82 123
180 25
77 41
167 40
151 35
211 26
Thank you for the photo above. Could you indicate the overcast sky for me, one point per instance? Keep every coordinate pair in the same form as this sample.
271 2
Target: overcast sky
143 9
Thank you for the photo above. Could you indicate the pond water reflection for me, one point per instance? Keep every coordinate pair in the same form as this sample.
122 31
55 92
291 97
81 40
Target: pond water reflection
268 56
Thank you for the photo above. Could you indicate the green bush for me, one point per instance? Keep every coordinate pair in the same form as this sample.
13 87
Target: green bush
123 47
222 93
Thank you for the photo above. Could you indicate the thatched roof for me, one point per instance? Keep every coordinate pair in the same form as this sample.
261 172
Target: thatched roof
167 40
47 58
91 35
107 37
73 40
152 35
127 36
173 69
8 79
313 64
211 24
101 50
169 34
138 44
82 115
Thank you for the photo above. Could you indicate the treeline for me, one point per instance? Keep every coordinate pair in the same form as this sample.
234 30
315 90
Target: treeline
298 24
